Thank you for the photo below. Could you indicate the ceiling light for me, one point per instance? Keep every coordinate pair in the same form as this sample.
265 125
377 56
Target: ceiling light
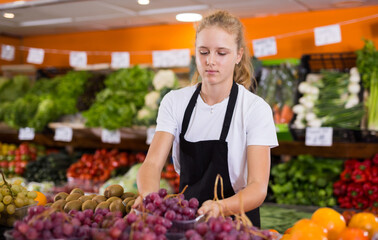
144 2
18 2
188 17
8 15
347 3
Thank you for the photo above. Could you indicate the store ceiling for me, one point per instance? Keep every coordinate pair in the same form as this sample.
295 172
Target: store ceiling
39 17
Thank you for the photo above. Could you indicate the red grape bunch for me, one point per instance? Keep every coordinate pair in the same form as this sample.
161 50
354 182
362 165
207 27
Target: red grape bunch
174 207
226 228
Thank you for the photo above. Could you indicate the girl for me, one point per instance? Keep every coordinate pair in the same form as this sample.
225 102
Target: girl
215 127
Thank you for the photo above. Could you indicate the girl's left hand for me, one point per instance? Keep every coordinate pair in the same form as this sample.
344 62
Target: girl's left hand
211 208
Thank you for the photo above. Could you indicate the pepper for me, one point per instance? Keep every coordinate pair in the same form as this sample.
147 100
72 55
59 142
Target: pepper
355 190
346 175
351 163
373 176
345 202
360 203
339 188
375 159
359 175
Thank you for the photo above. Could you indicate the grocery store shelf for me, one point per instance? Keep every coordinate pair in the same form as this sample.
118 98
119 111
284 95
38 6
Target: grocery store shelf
337 150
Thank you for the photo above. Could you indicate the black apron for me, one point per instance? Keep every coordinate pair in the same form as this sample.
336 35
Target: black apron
201 162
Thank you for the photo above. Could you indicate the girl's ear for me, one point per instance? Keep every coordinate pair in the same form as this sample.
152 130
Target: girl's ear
239 55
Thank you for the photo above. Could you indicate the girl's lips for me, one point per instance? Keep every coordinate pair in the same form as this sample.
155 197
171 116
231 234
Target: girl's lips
211 71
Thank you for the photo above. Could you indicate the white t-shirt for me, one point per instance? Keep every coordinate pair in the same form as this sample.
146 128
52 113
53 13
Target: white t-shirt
251 124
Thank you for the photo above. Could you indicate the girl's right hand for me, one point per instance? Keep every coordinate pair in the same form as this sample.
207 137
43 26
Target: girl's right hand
138 203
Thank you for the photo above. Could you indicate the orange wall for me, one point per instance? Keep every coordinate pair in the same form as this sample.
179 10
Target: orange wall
140 41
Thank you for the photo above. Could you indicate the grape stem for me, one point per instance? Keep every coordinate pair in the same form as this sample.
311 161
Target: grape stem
7 184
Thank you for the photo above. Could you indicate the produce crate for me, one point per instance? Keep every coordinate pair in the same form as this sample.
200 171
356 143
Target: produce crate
315 63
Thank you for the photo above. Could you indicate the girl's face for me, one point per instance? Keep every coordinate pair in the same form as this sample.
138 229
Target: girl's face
216 55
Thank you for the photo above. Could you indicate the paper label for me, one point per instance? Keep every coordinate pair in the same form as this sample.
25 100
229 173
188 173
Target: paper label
111 136
150 135
319 136
171 58
327 35
264 47
120 59
26 134
63 134
78 59
35 55
7 52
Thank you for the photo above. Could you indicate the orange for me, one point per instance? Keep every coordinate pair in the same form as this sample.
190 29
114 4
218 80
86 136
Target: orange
41 198
365 221
309 230
288 231
353 234
286 237
331 220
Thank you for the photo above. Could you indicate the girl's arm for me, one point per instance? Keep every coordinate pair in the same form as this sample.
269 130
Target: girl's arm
253 195
148 178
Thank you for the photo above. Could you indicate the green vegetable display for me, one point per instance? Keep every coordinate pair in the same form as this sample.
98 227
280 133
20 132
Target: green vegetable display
47 100
367 63
117 105
305 181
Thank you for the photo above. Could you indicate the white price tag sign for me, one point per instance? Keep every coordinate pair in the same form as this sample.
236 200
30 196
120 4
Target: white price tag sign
111 136
63 134
327 35
7 52
120 59
35 55
321 136
171 58
26 134
78 59
264 47
150 135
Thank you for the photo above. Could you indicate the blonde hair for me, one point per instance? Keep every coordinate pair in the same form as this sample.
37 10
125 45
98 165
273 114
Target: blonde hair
243 72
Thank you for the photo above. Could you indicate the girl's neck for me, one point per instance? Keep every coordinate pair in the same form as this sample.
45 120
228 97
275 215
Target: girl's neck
213 94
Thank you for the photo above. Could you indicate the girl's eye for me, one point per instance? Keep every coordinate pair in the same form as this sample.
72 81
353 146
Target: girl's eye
203 52
222 53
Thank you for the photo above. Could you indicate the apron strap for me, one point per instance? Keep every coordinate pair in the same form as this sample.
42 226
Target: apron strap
189 110
229 111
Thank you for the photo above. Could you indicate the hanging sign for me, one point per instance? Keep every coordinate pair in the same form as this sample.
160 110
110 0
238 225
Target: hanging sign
78 59
171 58
319 136
63 134
7 52
327 35
111 136
35 55
264 47
150 135
120 59
26 134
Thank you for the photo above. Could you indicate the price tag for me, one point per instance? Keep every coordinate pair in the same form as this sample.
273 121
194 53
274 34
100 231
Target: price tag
327 35
26 134
7 52
264 47
78 59
171 58
35 55
120 59
63 134
319 136
110 136
150 135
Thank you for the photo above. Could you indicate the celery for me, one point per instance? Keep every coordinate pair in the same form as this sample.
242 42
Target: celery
372 103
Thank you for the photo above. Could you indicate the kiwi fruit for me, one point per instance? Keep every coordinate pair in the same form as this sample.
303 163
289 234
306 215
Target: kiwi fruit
73 205
117 206
84 198
61 195
59 204
73 196
92 196
112 199
114 190
102 205
127 194
77 190
48 204
128 199
129 205
99 198
89 204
